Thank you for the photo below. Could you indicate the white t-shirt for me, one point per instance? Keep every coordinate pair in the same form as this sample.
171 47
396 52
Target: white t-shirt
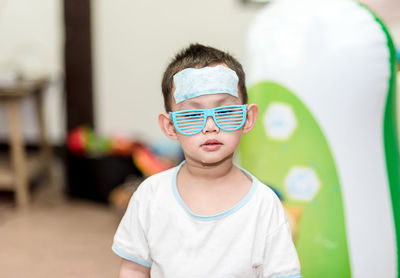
252 239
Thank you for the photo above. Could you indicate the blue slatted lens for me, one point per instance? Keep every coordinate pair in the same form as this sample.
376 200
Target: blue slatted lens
230 118
189 122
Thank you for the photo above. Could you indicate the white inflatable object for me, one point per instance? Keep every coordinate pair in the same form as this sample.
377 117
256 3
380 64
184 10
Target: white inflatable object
323 75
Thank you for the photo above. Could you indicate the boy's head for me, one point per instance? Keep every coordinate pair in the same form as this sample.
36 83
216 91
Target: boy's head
205 99
200 56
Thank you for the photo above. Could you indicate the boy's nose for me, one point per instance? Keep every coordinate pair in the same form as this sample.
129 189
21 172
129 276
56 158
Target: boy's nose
210 126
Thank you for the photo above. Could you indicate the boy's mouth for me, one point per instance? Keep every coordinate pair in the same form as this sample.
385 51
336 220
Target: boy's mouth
211 145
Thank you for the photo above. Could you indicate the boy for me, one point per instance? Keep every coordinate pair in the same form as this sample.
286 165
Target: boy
206 217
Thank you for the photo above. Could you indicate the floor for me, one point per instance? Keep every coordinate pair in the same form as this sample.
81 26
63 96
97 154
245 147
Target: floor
56 236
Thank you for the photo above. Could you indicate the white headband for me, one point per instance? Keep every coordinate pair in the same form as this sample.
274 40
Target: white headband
193 82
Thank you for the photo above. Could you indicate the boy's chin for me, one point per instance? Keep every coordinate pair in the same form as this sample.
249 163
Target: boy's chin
215 161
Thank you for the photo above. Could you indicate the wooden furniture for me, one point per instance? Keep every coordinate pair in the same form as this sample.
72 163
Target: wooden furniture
17 174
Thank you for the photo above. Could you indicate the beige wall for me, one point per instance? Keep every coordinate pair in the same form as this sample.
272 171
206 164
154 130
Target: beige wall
388 9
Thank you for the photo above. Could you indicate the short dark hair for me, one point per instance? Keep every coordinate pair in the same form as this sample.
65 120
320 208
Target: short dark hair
200 56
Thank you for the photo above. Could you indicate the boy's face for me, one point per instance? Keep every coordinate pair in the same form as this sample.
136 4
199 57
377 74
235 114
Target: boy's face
211 144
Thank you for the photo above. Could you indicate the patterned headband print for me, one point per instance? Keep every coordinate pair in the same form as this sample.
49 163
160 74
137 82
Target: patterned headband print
192 82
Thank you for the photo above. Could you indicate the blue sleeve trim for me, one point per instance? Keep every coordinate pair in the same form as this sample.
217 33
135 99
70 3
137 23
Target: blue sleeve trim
295 275
130 258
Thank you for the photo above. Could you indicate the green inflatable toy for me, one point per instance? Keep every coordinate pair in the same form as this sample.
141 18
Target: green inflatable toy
323 76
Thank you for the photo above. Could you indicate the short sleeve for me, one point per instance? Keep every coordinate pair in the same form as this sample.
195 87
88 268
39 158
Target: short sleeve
280 256
130 240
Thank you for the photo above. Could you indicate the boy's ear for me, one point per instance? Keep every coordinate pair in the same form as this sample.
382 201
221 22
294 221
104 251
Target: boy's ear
167 126
252 114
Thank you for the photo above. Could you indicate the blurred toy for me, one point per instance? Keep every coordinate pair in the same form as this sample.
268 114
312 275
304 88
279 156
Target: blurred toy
147 162
83 140
121 145
98 145
168 149
293 214
77 140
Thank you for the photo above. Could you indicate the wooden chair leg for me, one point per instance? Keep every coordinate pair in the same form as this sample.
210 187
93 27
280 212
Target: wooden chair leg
18 153
45 147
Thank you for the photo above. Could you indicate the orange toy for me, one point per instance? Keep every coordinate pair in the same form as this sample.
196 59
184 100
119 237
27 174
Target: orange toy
147 162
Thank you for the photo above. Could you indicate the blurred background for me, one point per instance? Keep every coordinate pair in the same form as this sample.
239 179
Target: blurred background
79 99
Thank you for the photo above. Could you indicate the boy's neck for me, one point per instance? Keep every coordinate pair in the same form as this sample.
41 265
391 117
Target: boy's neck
210 189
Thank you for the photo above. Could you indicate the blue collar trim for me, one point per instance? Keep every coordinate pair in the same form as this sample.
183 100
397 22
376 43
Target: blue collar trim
235 208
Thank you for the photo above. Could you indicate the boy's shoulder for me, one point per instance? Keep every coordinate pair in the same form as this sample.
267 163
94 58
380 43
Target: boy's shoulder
267 194
263 190
156 182
161 176
268 207
266 197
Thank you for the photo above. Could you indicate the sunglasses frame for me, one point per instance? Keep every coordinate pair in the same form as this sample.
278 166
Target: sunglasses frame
209 113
